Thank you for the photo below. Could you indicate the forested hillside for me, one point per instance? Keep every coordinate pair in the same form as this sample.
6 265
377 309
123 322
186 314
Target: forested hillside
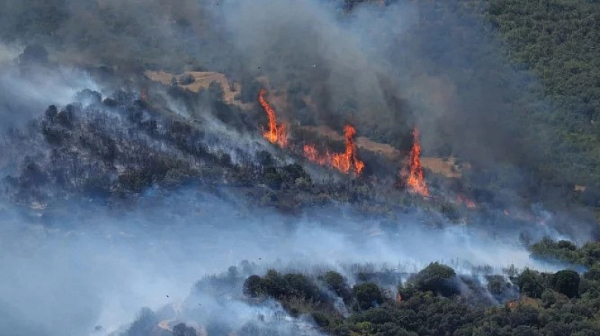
557 41
531 67
373 167
547 95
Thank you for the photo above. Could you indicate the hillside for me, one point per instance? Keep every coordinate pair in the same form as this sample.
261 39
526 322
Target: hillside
363 167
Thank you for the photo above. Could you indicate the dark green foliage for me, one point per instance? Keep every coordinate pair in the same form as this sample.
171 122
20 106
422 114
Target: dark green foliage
274 179
566 282
436 278
302 287
531 282
566 245
337 283
421 312
552 38
496 284
252 286
368 295
593 273
273 284
188 79
587 255
320 319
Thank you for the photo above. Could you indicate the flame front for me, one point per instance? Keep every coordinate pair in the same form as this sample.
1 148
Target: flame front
343 162
413 176
276 134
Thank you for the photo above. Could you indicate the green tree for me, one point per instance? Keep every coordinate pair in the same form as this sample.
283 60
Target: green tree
252 286
436 278
531 283
368 295
336 282
566 282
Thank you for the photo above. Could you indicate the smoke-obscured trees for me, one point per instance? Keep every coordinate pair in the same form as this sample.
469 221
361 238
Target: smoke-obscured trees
368 295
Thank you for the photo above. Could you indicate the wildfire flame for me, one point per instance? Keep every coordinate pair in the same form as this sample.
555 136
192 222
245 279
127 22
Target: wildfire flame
276 134
413 176
343 162
463 199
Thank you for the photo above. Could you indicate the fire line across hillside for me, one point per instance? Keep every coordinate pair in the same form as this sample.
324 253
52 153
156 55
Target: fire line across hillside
202 80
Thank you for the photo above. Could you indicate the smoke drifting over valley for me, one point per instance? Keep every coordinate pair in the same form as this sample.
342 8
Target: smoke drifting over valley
134 176
81 266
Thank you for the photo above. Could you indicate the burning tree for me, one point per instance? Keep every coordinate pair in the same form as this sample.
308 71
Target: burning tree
276 134
412 176
343 162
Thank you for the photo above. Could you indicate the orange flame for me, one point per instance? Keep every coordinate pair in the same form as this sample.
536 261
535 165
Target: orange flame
414 177
343 162
276 134
463 199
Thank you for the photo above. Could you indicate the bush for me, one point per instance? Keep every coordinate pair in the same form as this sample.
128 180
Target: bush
368 295
186 79
566 282
531 283
436 278
496 284
301 286
252 286
320 319
593 273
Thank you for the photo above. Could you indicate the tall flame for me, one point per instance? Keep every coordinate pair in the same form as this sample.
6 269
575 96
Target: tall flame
276 134
343 162
413 176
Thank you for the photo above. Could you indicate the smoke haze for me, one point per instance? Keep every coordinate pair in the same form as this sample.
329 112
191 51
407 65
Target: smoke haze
78 265
95 266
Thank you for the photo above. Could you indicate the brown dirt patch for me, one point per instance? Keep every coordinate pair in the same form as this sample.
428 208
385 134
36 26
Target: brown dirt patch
201 81
446 167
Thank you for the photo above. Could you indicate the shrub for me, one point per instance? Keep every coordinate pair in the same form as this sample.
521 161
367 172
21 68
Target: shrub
531 283
368 295
436 278
252 286
566 282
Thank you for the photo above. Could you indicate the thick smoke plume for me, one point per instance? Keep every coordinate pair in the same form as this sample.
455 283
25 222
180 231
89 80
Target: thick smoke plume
80 265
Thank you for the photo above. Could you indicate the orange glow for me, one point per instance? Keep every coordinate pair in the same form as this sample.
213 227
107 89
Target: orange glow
463 199
343 162
413 176
276 134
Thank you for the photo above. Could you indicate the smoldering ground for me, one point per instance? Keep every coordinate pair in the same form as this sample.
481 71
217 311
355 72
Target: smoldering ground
70 269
